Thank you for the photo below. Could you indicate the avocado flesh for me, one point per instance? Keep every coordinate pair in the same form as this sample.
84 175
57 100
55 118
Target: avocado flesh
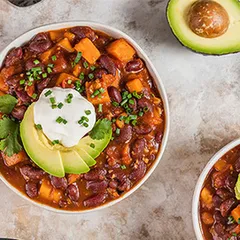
57 159
73 163
229 42
47 159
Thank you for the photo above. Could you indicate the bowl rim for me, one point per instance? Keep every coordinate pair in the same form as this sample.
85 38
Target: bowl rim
200 182
153 72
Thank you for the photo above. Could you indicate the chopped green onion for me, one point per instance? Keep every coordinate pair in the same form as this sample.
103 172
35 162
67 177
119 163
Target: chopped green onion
69 81
88 112
44 75
30 83
132 117
96 92
54 106
118 131
134 122
129 96
85 64
50 65
77 84
69 98
55 142
123 102
36 69
34 96
145 109
59 119
49 70
38 126
64 121
100 107
112 138
123 167
80 121
78 57
125 94
101 90
140 114
91 75
54 58
113 120
22 81
36 62
81 76
136 95
92 68
85 125
52 100
49 92
115 104
60 105
131 101
92 145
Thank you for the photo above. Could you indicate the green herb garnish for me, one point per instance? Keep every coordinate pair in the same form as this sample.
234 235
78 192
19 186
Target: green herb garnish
78 57
60 105
102 127
54 142
100 108
123 167
87 112
54 57
36 62
49 92
92 145
38 126
7 103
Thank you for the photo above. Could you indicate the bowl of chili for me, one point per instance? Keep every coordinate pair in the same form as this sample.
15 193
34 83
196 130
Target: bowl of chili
106 183
216 205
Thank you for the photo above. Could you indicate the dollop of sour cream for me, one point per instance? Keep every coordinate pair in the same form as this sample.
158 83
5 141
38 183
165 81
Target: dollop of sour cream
64 115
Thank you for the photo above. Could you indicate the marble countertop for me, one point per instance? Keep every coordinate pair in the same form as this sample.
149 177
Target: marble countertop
204 97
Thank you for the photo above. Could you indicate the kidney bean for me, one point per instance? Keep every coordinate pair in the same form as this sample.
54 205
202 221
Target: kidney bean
134 105
231 182
73 192
96 186
227 206
13 57
237 165
99 72
143 128
113 184
219 218
217 201
145 103
219 229
224 194
31 189
13 81
31 173
30 64
95 174
125 186
230 227
108 63
62 203
40 43
114 94
158 136
125 134
59 183
134 65
43 84
119 175
101 41
138 148
84 32
95 200
18 112
219 178
151 157
139 171
22 95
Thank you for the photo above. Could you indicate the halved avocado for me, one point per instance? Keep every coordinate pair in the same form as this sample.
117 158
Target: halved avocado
206 26
73 163
47 159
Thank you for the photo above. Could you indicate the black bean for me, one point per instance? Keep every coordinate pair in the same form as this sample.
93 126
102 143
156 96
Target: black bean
31 173
59 183
108 63
114 94
134 65
73 192
95 200
138 148
125 134
31 189
18 112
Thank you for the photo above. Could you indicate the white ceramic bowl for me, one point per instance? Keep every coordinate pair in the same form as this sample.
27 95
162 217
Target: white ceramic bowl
116 34
199 185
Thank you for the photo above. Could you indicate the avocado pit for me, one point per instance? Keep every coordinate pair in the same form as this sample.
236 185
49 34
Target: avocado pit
208 19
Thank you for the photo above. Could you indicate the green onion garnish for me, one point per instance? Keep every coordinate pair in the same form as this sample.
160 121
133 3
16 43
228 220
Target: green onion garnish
54 106
22 81
123 102
88 112
69 81
96 92
81 76
115 104
136 95
85 125
50 65
54 58
30 83
60 105
92 68
49 70
85 64
100 107
44 75
101 90
145 109
91 75
52 100
123 167
49 92
55 142
78 57
131 101
59 119
34 96
64 121
134 122
118 131
38 126
36 62
140 114
92 145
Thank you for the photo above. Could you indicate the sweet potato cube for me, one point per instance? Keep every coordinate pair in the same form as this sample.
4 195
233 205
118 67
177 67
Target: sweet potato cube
64 43
121 50
134 85
236 213
88 50
45 56
14 159
55 35
45 189
56 195
206 198
3 84
73 178
100 87
69 35
65 77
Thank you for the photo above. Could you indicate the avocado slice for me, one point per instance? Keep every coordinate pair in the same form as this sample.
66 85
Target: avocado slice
73 163
86 157
180 12
48 159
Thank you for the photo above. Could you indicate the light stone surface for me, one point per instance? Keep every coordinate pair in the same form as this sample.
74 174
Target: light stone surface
204 97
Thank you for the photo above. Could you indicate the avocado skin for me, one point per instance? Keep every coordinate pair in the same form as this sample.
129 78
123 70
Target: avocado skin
192 50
